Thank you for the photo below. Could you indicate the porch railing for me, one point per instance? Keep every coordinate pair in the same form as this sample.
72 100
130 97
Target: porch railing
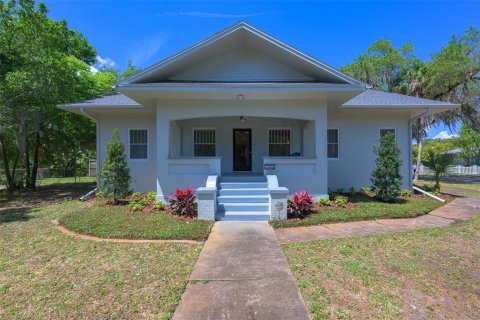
195 166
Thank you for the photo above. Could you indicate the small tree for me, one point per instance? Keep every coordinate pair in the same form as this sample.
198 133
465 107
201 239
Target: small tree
438 162
115 174
386 177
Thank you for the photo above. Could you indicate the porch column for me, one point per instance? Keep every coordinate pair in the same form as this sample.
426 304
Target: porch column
163 140
321 126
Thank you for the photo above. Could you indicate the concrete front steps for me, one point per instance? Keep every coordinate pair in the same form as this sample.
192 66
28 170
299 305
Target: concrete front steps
243 198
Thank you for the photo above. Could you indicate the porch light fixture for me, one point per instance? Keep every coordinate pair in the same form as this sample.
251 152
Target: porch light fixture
243 118
240 97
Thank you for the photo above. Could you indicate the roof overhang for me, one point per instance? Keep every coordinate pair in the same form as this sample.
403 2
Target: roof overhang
250 91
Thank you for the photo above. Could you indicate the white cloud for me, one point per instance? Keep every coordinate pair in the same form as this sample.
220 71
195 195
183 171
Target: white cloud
203 14
105 62
442 135
143 50
93 70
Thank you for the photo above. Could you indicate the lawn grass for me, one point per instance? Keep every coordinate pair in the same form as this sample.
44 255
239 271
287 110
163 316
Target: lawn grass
465 189
420 274
45 274
367 209
48 181
95 219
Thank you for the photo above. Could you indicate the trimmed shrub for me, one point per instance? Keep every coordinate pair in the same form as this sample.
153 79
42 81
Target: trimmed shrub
386 177
323 201
159 206
182 202
152 196
341 201
115 174
352 191
301 205
365 190
406 193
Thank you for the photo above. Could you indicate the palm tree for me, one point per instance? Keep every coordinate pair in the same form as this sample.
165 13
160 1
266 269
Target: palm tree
416 82
438 162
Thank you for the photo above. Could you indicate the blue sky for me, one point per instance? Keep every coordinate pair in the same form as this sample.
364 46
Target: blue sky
334 32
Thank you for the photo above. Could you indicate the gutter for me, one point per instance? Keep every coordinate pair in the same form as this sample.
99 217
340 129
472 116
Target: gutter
82 111
422 114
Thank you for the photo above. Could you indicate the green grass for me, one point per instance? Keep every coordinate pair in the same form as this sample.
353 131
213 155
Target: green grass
367 209
45 274
465 189
420 274
95 219
49 181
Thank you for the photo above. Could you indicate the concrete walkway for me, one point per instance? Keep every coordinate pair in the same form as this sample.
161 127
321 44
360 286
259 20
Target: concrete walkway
241 274
459 209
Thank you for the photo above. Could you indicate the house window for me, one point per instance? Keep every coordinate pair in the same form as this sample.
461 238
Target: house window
332 143
384 131
204 142
138 144
279 142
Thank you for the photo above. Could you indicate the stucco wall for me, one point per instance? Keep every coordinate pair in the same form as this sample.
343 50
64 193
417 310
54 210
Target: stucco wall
143 172
358 133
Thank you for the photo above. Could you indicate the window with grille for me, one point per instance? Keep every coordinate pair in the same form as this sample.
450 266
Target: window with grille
138 144
332 143
278 142
204 142
384 131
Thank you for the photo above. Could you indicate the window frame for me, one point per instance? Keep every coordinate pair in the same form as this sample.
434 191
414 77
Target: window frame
268 140
387 128
193 141
338 144
130 143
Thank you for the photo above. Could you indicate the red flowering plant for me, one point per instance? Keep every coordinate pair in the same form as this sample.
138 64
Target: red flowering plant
301 205
182 202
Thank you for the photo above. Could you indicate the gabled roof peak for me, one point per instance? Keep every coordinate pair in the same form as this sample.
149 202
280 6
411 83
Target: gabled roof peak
233 36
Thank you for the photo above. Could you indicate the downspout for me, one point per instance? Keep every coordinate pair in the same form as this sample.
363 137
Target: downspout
82 111
410 122
410 158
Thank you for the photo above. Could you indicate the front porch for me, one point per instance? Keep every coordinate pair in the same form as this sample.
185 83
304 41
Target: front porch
240 164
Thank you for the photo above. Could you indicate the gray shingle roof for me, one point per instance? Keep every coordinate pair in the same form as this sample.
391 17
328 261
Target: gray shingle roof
116 99
380 98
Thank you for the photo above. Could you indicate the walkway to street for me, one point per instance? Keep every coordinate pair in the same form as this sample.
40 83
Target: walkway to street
459 209
241 274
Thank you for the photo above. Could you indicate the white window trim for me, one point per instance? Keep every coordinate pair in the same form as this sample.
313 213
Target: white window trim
193 141
148 145
338 144
387 128
268 140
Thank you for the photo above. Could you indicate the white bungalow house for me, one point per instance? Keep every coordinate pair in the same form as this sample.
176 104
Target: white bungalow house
248 120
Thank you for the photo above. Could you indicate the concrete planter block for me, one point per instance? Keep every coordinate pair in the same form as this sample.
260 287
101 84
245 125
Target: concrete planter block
278 203
207 203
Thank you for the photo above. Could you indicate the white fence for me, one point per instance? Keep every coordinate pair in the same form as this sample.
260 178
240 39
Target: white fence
455 170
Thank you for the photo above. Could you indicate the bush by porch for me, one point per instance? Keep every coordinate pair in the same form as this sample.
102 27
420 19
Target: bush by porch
94 218
364 207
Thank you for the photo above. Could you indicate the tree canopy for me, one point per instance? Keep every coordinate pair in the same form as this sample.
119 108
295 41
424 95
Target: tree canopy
43 63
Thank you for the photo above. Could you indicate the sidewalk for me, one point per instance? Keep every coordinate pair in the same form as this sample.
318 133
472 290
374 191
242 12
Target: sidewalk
459 209
241 274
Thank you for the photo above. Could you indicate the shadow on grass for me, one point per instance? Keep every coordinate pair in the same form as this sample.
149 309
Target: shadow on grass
15 215
362 198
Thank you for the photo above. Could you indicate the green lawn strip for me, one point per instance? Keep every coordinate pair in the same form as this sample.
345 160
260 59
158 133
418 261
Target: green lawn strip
425 273
367 209
49 181
45 274
118 222
466 189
